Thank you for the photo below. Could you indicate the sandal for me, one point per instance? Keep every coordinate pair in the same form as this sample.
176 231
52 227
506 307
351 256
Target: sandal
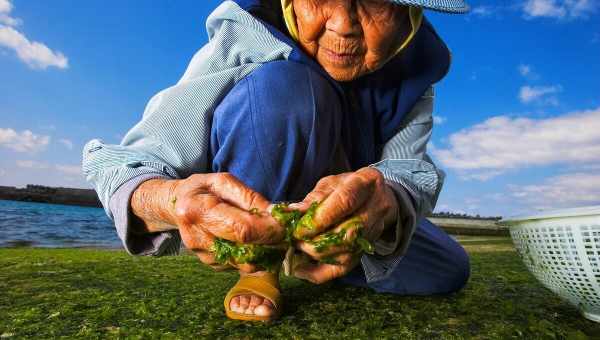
265 286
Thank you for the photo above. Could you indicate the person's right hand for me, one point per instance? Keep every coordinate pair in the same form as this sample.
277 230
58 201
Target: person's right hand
205 206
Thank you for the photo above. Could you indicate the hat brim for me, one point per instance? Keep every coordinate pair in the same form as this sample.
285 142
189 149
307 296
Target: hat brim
447 6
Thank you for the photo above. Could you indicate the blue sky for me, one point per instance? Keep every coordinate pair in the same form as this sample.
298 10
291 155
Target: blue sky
517 119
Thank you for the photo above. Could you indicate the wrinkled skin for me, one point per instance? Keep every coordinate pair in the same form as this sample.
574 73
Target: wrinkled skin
351 38
348 38
362 193
219 205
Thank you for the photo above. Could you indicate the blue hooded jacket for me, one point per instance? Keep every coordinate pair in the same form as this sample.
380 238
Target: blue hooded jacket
383 111
377 102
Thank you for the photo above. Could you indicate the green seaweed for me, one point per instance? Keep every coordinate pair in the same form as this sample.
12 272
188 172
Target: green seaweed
307 220
327 240
329 260
358 244
287 218
108 294
267 257
364 245
291 219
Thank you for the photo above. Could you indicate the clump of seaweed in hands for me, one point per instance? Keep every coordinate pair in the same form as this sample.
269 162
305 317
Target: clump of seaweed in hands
295 223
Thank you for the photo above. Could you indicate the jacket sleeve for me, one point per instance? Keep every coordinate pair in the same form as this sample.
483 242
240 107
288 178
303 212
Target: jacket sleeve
170 141
415 180
116 171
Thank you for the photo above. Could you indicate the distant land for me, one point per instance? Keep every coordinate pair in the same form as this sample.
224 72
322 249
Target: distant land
88 198
44 194
458 224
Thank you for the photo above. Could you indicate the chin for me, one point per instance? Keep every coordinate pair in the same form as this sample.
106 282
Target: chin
342 75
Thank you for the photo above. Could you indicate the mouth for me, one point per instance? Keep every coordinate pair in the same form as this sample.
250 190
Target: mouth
341 59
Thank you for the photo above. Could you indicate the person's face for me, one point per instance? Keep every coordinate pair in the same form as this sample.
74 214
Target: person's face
350 38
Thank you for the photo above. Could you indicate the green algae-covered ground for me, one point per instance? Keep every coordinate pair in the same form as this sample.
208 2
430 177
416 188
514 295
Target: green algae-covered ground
106 293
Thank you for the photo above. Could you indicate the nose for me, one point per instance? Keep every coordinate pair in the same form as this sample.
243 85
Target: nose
343 18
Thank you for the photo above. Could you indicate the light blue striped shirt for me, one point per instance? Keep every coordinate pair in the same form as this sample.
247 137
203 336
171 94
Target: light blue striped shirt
172 140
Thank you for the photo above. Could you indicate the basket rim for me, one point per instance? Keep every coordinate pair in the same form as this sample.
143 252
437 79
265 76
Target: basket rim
560 213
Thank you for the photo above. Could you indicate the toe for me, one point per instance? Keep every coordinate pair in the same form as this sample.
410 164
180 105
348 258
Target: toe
252 305
268 303
263 310
244 301
255 300
234 304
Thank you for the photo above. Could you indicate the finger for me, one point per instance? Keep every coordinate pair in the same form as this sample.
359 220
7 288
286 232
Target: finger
208 259
339 240
230 189
324 187
373 215
246 267
350 196
223 220
195 239
236 225
340 204
322 272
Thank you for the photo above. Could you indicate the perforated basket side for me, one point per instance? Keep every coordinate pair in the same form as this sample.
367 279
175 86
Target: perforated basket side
564 257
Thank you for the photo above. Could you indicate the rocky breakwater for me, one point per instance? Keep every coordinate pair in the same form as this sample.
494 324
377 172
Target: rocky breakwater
43 194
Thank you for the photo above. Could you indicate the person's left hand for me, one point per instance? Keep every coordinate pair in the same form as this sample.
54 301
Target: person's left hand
362 194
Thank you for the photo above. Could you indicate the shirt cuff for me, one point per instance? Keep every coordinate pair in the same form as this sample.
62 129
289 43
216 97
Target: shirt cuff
155 244
390 250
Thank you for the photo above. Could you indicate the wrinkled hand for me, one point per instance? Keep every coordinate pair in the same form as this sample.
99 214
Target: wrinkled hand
362 194
205 206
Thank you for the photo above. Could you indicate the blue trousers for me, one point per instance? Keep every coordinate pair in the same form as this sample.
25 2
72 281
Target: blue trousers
278 131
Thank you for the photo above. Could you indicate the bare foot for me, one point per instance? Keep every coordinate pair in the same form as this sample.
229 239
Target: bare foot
252 304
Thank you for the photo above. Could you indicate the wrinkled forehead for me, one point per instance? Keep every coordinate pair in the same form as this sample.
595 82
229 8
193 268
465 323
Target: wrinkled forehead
448 6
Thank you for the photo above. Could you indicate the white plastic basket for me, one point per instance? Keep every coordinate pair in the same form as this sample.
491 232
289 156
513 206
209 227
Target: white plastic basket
562 250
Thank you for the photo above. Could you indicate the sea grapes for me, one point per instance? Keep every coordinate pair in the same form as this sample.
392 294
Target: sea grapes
267 257
331 238
292 220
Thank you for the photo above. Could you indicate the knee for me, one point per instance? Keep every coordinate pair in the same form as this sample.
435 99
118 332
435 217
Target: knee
289 95
460 271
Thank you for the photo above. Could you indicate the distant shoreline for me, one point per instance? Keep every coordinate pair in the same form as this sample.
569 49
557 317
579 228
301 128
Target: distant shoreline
44 194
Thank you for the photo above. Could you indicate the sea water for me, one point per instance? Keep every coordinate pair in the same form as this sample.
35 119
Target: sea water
54 225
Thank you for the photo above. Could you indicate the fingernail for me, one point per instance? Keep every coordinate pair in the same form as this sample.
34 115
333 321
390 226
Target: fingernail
270 208
295 206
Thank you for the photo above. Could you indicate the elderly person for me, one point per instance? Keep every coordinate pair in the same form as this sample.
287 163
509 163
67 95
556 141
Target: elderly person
300 101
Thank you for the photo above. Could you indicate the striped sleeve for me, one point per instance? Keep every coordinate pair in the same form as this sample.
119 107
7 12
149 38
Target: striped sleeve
172 139
405 161
416 181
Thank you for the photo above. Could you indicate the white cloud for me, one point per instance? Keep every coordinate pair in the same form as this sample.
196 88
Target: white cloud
482 11
63 168
69 169
35 54
524 70
67 143
25 141
503 143
5 18
29 164
569 190
539 94
438 120
5 6
559 8
2 172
